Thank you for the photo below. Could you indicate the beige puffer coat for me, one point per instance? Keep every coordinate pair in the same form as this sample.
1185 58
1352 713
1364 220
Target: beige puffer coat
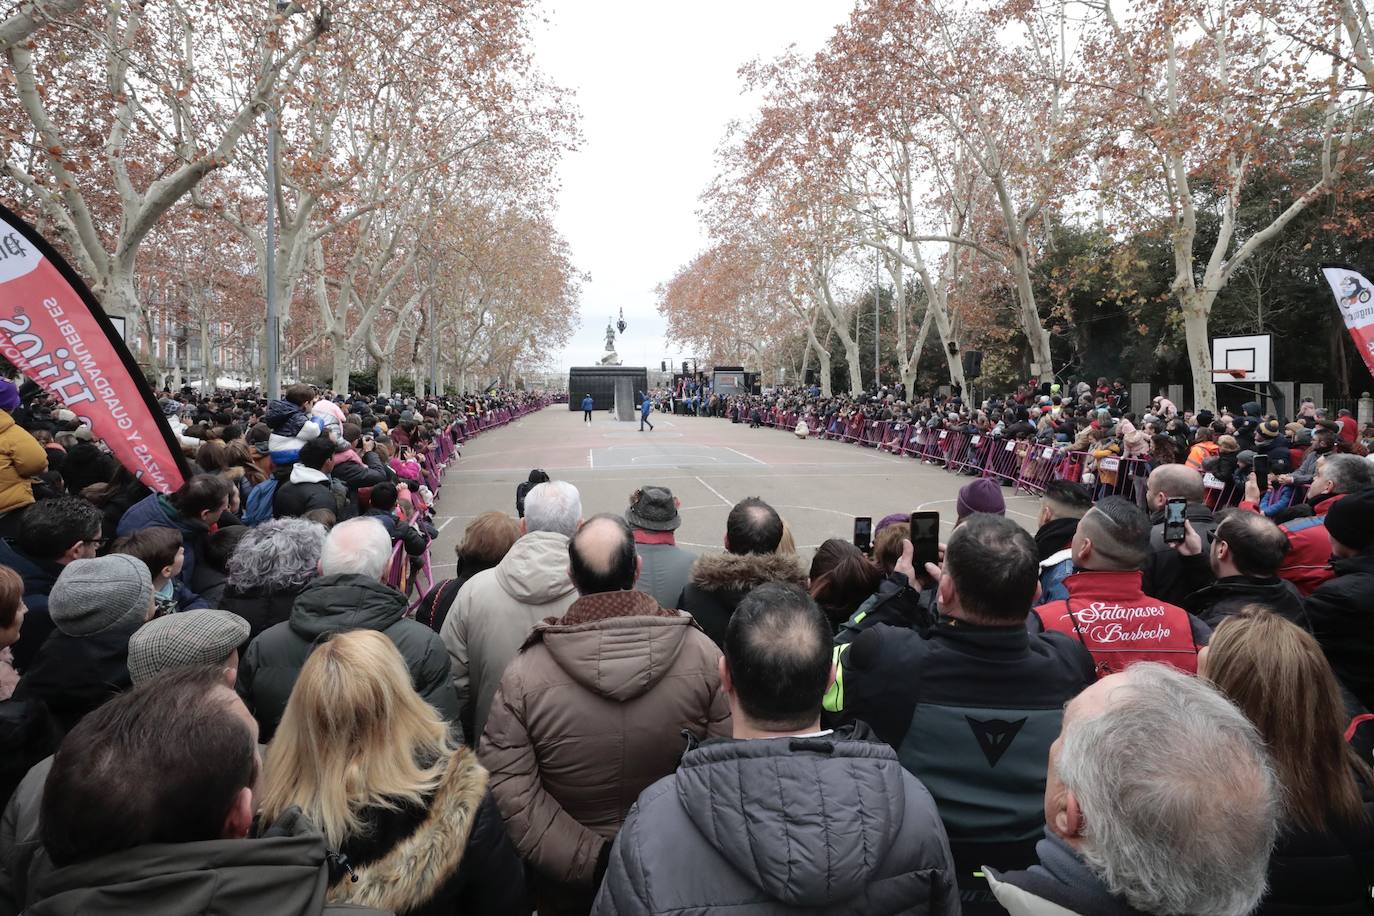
588 716
494 613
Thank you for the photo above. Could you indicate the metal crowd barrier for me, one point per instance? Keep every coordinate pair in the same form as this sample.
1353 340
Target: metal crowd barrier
1023 465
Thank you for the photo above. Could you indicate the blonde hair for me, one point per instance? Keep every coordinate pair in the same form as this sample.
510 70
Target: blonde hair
1276 673
355 734
787 546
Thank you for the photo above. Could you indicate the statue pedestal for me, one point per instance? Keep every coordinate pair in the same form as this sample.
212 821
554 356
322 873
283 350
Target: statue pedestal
609 358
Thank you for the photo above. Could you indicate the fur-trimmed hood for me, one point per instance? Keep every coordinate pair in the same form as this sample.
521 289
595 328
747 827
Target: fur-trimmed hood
742 572
415 870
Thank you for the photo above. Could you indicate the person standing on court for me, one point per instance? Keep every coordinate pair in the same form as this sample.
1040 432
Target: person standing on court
587 406
645 405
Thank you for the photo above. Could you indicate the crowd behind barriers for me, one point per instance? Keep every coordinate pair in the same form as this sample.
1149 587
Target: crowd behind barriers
1158 702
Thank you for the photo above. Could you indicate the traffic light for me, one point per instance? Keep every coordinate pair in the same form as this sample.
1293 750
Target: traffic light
684 367
663 365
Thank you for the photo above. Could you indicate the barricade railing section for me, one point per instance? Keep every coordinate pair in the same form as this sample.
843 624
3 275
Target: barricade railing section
1022 464
438 456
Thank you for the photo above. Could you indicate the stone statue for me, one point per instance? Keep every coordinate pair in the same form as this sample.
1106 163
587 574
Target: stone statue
610 358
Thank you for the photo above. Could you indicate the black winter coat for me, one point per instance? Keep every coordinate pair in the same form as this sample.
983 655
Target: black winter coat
895 603
449 855
333 604
75 674
1227 596
1322 873
1339 614
292 500
720 581
39 577
416 541
28 733
260 607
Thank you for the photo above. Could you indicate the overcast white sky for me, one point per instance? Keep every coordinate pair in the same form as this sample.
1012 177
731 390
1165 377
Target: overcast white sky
656 83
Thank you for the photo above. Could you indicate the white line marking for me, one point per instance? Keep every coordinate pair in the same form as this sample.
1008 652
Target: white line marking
742 455
445 523
713 490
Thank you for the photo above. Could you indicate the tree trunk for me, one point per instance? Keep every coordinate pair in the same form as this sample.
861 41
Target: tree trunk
338 341
851 353
384 375
1199 352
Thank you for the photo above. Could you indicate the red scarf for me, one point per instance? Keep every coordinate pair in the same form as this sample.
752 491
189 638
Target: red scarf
654 537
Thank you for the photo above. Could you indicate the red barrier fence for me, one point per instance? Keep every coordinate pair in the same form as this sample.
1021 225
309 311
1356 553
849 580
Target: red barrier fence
1021 464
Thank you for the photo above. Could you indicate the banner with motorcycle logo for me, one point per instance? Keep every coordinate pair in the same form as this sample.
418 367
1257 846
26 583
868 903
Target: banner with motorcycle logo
1355 298
54 331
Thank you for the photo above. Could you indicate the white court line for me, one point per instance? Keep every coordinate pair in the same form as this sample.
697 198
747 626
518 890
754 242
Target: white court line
445 523
742 455
713 490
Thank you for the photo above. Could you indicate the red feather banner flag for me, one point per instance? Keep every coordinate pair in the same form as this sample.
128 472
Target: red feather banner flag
54 331
1355 298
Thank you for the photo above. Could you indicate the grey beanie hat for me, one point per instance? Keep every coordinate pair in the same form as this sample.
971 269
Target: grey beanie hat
93 595
200 637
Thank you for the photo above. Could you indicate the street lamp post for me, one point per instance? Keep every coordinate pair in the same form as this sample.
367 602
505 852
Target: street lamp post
272 332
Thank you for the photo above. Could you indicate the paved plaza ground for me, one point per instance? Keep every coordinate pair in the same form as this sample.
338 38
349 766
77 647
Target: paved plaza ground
709 464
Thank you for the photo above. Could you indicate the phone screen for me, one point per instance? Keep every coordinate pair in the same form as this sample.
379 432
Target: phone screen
1174 520
863 533
1262 472
925 538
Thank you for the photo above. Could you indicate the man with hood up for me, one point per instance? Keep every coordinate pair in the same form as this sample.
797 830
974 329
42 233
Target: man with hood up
590 713
496 608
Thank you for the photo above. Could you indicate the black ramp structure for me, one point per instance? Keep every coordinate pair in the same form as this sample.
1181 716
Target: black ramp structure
599 382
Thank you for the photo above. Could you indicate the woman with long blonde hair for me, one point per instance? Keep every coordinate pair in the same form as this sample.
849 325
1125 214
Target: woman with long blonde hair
1276 673
372 764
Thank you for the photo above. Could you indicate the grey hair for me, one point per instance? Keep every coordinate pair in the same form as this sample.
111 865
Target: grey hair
280 555
1180 802
1348 473
553 506
359 546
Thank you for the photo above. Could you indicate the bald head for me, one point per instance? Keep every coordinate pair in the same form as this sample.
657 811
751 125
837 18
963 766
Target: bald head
601 556
1173 480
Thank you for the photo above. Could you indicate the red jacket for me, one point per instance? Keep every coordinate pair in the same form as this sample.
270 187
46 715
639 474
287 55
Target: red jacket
1119 624
1308 563
1350 429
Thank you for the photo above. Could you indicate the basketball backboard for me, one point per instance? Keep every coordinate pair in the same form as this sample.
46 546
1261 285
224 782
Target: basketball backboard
1250 353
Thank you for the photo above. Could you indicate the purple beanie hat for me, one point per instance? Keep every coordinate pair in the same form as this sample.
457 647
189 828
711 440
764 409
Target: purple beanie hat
981 495
893 519
9 395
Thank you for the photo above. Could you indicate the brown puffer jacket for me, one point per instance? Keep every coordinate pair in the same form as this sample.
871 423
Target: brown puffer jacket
589 715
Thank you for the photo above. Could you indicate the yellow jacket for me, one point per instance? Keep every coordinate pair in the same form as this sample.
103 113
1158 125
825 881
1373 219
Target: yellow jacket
21 458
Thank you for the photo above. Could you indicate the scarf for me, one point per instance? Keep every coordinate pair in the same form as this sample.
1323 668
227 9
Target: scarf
1054 536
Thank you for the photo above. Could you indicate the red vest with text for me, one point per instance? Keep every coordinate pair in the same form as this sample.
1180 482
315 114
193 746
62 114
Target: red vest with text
1120 624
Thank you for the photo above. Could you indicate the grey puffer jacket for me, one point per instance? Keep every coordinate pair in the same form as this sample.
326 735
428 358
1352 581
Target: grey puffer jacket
284 873
664 571
831 824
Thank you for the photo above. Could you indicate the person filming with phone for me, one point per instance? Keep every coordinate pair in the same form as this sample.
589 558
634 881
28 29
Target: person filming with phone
1106 609
973 706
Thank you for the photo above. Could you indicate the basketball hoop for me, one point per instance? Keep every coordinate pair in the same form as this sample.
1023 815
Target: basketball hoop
1229 375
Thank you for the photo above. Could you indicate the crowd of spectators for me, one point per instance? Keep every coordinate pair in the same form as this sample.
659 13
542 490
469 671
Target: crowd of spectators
1096 717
